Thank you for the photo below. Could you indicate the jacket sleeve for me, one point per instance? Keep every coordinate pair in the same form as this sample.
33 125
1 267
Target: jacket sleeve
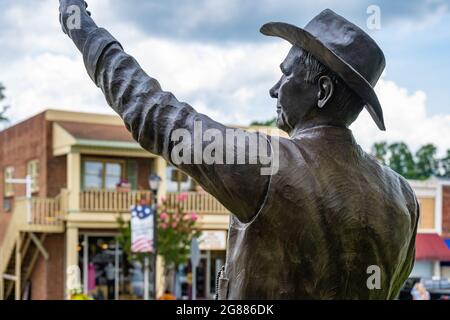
164 126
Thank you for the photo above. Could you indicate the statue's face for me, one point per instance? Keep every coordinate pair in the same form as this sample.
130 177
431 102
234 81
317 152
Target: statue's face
295 97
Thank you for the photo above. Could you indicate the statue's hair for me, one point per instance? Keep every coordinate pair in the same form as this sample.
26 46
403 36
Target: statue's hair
346 102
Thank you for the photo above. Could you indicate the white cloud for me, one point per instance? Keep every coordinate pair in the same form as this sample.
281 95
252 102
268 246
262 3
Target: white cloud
50 81
408 25
233 80
406 120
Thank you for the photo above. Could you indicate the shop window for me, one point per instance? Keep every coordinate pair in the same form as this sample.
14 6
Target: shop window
33 172
107 272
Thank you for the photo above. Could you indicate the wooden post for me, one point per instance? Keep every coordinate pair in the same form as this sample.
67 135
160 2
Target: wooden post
71 249
18 285
73 181
1 286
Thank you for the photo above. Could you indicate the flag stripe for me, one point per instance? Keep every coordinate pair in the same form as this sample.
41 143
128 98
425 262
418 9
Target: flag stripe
142 244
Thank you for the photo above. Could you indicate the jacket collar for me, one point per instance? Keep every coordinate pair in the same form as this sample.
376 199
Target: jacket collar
325 132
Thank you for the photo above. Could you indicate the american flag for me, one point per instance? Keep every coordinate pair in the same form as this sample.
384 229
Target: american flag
142 229
141 244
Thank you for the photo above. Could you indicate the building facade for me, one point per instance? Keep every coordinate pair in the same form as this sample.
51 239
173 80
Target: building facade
432 251
86 171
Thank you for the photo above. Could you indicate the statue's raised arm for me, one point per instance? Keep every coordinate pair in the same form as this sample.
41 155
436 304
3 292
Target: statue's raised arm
158 121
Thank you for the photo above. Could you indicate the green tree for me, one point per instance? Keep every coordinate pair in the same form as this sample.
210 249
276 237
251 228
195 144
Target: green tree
400 159
426 162
421 166
380 151
268 123
444 166
3 109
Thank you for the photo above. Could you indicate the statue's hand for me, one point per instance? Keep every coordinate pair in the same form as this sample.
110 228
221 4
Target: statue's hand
68 9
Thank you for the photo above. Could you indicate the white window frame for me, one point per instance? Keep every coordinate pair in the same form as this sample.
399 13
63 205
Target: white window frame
33 172
9 187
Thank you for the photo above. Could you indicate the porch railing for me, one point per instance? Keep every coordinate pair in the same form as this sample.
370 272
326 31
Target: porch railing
198 202
111 200
44 212
48 211
121 201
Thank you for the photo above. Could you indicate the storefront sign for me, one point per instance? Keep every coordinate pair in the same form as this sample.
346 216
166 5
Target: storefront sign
142 230
213 240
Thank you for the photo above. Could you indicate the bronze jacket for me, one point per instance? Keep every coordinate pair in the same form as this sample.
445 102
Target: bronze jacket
314 230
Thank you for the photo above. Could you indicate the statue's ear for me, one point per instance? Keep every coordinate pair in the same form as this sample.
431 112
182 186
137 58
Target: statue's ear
326 90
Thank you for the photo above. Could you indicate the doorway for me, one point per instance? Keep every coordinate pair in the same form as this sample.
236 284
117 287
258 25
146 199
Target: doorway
106 272
211 261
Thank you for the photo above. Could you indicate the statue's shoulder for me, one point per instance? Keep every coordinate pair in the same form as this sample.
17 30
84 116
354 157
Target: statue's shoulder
402 187
393 182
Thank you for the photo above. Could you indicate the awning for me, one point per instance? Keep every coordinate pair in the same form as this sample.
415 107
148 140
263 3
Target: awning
98 132
431 247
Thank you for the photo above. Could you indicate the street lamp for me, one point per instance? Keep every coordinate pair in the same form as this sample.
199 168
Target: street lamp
154 182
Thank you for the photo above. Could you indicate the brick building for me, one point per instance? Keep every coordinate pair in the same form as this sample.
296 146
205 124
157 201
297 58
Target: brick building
75 162
446 211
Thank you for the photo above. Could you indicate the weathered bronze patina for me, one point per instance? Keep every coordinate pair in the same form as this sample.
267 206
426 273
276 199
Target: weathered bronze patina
315 228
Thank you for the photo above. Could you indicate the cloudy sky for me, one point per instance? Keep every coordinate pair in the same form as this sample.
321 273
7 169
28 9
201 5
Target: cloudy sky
210 53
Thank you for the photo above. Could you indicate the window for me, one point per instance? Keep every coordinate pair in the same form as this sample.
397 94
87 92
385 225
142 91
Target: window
7 205
102 174
93 175
177 181
33 172
427 212
9 187
113 174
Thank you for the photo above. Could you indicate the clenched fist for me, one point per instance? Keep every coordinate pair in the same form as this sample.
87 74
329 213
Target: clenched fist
70 14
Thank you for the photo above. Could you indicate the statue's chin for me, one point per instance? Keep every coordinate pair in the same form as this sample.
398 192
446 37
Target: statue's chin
281 123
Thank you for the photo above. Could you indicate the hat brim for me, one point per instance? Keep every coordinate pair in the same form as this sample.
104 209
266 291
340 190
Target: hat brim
354 80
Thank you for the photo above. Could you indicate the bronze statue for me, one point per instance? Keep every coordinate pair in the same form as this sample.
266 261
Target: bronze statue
330 213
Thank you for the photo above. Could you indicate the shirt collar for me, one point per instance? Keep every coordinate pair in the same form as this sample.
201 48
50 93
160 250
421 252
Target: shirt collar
331 133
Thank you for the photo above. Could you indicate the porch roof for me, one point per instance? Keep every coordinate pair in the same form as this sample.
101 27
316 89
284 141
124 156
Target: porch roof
89 137
97 132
